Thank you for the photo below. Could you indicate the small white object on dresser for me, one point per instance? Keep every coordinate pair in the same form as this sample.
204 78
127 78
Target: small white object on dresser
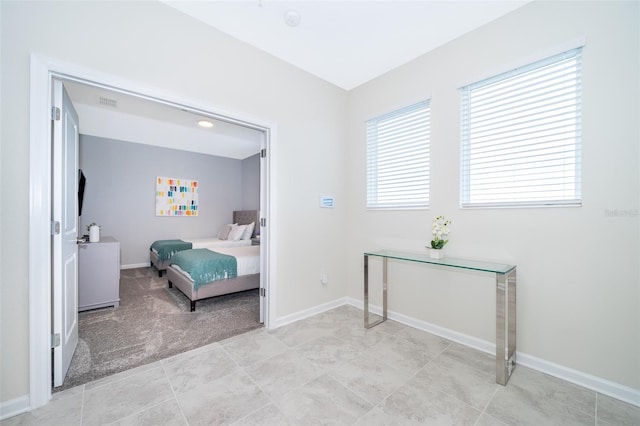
99 274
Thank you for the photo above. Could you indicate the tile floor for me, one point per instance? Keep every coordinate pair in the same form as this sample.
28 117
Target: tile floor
328 370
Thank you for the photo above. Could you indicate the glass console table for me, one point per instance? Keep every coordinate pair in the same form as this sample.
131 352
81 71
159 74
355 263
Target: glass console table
505 300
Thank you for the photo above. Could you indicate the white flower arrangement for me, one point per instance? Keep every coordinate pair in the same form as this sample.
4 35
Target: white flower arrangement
439 230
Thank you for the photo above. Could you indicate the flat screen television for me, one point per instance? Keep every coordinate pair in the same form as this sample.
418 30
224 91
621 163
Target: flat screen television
81 184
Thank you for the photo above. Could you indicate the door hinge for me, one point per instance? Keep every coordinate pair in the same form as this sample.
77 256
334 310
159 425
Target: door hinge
55 113
55 227
55 340
263 292
263 153
263 221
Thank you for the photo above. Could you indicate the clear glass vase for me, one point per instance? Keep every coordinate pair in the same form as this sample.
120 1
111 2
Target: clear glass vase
436 253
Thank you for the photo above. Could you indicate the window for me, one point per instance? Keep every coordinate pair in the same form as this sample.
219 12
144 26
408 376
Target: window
398 158
521 136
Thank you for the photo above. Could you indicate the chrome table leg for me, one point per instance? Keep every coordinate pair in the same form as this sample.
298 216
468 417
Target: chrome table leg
505 326
367 324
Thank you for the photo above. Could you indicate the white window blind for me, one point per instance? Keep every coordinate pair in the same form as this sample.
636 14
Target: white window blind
398 158
521 134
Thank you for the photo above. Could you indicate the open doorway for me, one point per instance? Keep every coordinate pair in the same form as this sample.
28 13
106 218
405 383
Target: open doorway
125 144
43 70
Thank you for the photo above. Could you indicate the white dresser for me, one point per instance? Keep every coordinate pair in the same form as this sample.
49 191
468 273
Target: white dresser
99 274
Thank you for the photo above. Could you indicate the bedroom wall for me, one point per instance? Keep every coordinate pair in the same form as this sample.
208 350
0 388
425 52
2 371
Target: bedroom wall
120 193
578 297
162 48
251 183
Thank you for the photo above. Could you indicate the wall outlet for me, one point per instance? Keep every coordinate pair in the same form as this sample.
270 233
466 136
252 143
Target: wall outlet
324 279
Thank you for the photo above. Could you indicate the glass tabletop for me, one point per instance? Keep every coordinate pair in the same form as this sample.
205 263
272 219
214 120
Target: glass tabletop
477 265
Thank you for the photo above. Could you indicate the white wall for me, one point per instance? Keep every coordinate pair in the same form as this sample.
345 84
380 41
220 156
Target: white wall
153 44
578 296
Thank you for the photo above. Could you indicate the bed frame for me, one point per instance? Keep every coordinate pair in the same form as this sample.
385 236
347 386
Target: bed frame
241 217
211 289
161 265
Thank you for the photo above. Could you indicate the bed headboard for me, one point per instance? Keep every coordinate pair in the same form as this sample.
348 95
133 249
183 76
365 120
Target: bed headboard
245 217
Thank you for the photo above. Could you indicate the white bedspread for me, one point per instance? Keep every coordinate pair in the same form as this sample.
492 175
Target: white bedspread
247 257
214 243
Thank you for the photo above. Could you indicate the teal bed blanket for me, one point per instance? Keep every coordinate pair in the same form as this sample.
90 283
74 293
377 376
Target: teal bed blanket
205 265
167 248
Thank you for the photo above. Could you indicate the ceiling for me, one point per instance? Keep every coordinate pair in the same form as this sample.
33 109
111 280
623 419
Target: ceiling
346 43
115 115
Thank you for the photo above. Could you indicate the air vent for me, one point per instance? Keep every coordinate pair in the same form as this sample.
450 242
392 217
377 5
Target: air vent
107 102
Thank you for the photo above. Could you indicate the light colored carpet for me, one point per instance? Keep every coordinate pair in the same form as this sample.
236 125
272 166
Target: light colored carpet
153 322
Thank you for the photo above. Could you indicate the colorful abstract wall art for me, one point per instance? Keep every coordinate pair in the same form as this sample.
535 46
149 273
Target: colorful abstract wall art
176 197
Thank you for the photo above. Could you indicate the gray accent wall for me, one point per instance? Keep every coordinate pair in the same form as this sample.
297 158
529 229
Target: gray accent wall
120 192
251 183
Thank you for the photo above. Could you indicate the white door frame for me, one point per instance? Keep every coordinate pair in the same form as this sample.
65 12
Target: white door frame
42 70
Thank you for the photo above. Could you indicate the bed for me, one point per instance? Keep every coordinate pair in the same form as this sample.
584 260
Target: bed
161 251
197 281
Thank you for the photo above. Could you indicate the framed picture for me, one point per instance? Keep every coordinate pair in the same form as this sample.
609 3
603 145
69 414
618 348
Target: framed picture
176 197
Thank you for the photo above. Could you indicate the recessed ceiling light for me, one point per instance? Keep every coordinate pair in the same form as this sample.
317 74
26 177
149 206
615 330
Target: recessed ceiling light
205 123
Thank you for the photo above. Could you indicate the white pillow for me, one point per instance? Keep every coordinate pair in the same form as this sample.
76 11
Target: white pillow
236 232
249 231
223 233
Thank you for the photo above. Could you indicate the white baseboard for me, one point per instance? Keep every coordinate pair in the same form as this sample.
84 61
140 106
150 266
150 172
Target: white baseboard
598 384
13 407
135 265
297 316
479 344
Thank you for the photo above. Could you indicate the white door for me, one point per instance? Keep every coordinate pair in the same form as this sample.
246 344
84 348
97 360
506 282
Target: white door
65 231
264 231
